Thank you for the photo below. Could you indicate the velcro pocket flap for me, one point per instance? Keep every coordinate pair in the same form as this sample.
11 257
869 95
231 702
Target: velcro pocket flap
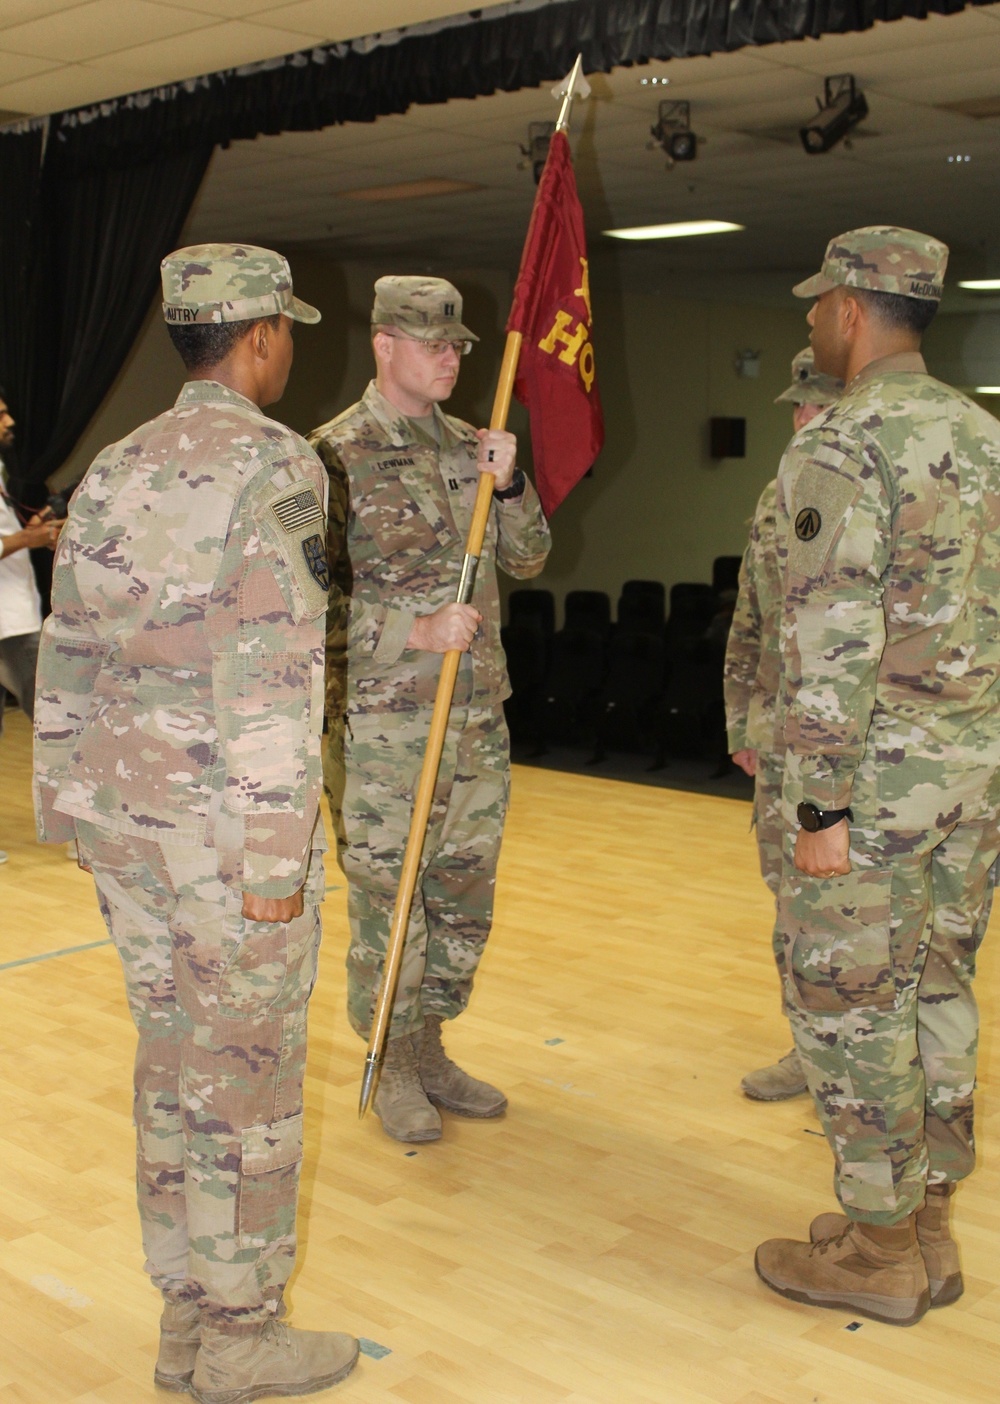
273 1147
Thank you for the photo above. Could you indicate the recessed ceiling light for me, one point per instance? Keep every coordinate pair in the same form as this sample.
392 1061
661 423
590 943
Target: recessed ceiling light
980 284
410 190
987 390
958 160
682 229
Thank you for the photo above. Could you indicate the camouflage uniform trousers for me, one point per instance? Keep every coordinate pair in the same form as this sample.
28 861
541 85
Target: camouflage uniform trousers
453 902
220 1006
877 969
768 818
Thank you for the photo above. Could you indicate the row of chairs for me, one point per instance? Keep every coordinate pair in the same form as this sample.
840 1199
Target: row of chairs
649 681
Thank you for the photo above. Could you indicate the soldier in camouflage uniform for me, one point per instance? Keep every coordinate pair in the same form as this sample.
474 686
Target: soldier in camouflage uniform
752 668
403 480
889 523
177 726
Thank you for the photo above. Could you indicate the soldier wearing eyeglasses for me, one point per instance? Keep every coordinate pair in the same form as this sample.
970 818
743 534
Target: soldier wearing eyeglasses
403 482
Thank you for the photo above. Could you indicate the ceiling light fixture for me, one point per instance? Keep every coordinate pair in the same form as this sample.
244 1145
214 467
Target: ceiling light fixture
680 229
980 284
646 81
409 190
958 160
840 111
673 132
987 390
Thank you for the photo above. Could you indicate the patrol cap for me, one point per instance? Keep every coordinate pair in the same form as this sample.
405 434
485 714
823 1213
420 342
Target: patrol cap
228 283
429 309
810 386
882 258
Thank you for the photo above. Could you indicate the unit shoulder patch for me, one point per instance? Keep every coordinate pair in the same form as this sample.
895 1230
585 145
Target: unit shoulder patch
314 550
808 523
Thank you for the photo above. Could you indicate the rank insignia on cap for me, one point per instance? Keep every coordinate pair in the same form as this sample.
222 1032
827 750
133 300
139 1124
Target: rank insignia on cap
807 524
314 550
297 510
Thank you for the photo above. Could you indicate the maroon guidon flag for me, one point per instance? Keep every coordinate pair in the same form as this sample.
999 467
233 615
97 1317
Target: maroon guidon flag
556 377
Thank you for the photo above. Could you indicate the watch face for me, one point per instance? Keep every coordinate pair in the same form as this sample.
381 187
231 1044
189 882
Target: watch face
809 817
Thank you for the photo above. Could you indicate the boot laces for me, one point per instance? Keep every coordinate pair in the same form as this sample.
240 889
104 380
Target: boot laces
834 1241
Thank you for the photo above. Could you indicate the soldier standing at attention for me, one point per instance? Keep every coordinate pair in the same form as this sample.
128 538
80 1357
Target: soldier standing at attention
889 511
177 737
752 670
403 480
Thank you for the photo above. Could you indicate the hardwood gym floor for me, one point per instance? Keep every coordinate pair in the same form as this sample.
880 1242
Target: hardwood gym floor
593 1247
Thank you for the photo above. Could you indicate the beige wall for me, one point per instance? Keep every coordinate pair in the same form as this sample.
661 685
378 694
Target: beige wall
657 506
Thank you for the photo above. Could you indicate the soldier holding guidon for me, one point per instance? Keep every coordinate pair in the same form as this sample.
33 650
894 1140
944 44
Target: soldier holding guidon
403 481
751 674
889 526
177 725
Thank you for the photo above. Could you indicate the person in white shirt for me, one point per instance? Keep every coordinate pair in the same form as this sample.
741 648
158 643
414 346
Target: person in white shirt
20 605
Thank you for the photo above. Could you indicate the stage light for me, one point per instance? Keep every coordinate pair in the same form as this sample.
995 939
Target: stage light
980 284
536 152
987 390
673 132
680 229
840 111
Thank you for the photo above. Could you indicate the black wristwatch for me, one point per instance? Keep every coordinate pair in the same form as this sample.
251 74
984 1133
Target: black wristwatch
813 819
514 490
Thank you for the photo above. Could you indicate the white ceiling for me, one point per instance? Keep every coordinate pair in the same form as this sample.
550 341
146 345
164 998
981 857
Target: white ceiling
289 190
56 54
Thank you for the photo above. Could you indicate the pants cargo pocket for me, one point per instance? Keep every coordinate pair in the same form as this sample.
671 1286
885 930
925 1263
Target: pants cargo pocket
835 935
269 1175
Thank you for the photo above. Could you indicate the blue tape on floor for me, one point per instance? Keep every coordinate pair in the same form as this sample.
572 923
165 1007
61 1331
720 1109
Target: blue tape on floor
51 955
372 1349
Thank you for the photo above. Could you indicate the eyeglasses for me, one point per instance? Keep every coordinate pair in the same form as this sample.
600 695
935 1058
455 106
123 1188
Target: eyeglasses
433 348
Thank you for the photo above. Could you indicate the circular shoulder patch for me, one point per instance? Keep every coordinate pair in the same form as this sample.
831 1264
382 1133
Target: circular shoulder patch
808 523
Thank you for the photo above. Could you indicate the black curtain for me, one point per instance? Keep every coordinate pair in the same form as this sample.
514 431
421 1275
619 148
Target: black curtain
101 232
84 225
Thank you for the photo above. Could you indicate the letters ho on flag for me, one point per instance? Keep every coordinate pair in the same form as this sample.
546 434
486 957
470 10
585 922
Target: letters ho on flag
556 375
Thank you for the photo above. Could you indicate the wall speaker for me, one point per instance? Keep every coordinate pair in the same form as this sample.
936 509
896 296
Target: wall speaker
728 438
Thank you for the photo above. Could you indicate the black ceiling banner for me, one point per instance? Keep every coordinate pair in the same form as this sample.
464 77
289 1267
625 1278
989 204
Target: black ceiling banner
59 356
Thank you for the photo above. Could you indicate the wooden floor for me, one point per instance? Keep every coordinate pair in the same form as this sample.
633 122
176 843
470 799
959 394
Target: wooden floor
593 1247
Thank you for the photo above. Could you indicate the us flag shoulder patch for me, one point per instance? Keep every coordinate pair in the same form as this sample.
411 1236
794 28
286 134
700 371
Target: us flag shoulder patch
300 509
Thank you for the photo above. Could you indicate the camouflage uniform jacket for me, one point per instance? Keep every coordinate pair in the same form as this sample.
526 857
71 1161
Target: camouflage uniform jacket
401 503
753 662
181 670
889 512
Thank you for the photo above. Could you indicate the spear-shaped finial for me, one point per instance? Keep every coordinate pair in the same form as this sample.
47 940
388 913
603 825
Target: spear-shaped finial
574 85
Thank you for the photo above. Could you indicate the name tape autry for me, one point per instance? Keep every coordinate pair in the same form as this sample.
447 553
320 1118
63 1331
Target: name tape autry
300 509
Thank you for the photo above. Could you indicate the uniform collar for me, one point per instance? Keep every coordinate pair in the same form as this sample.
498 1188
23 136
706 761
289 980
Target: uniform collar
899 363
403 431
199 392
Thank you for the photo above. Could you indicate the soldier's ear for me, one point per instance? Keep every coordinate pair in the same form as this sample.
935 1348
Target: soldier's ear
259 340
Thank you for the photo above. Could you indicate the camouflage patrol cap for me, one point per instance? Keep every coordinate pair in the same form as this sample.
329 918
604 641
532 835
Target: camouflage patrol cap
429 309
810 386
228 283
882 258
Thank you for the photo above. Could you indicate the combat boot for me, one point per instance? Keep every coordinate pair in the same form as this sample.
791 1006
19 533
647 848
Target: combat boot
272 1359
938 1248
446 1084
777 1082
180 1337
867 1269
400 1102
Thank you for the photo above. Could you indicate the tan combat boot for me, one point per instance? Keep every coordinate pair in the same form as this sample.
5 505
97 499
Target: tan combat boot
938 1248
273 1359
180 1337
777 1082
400 1102
444 1081
867 1269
